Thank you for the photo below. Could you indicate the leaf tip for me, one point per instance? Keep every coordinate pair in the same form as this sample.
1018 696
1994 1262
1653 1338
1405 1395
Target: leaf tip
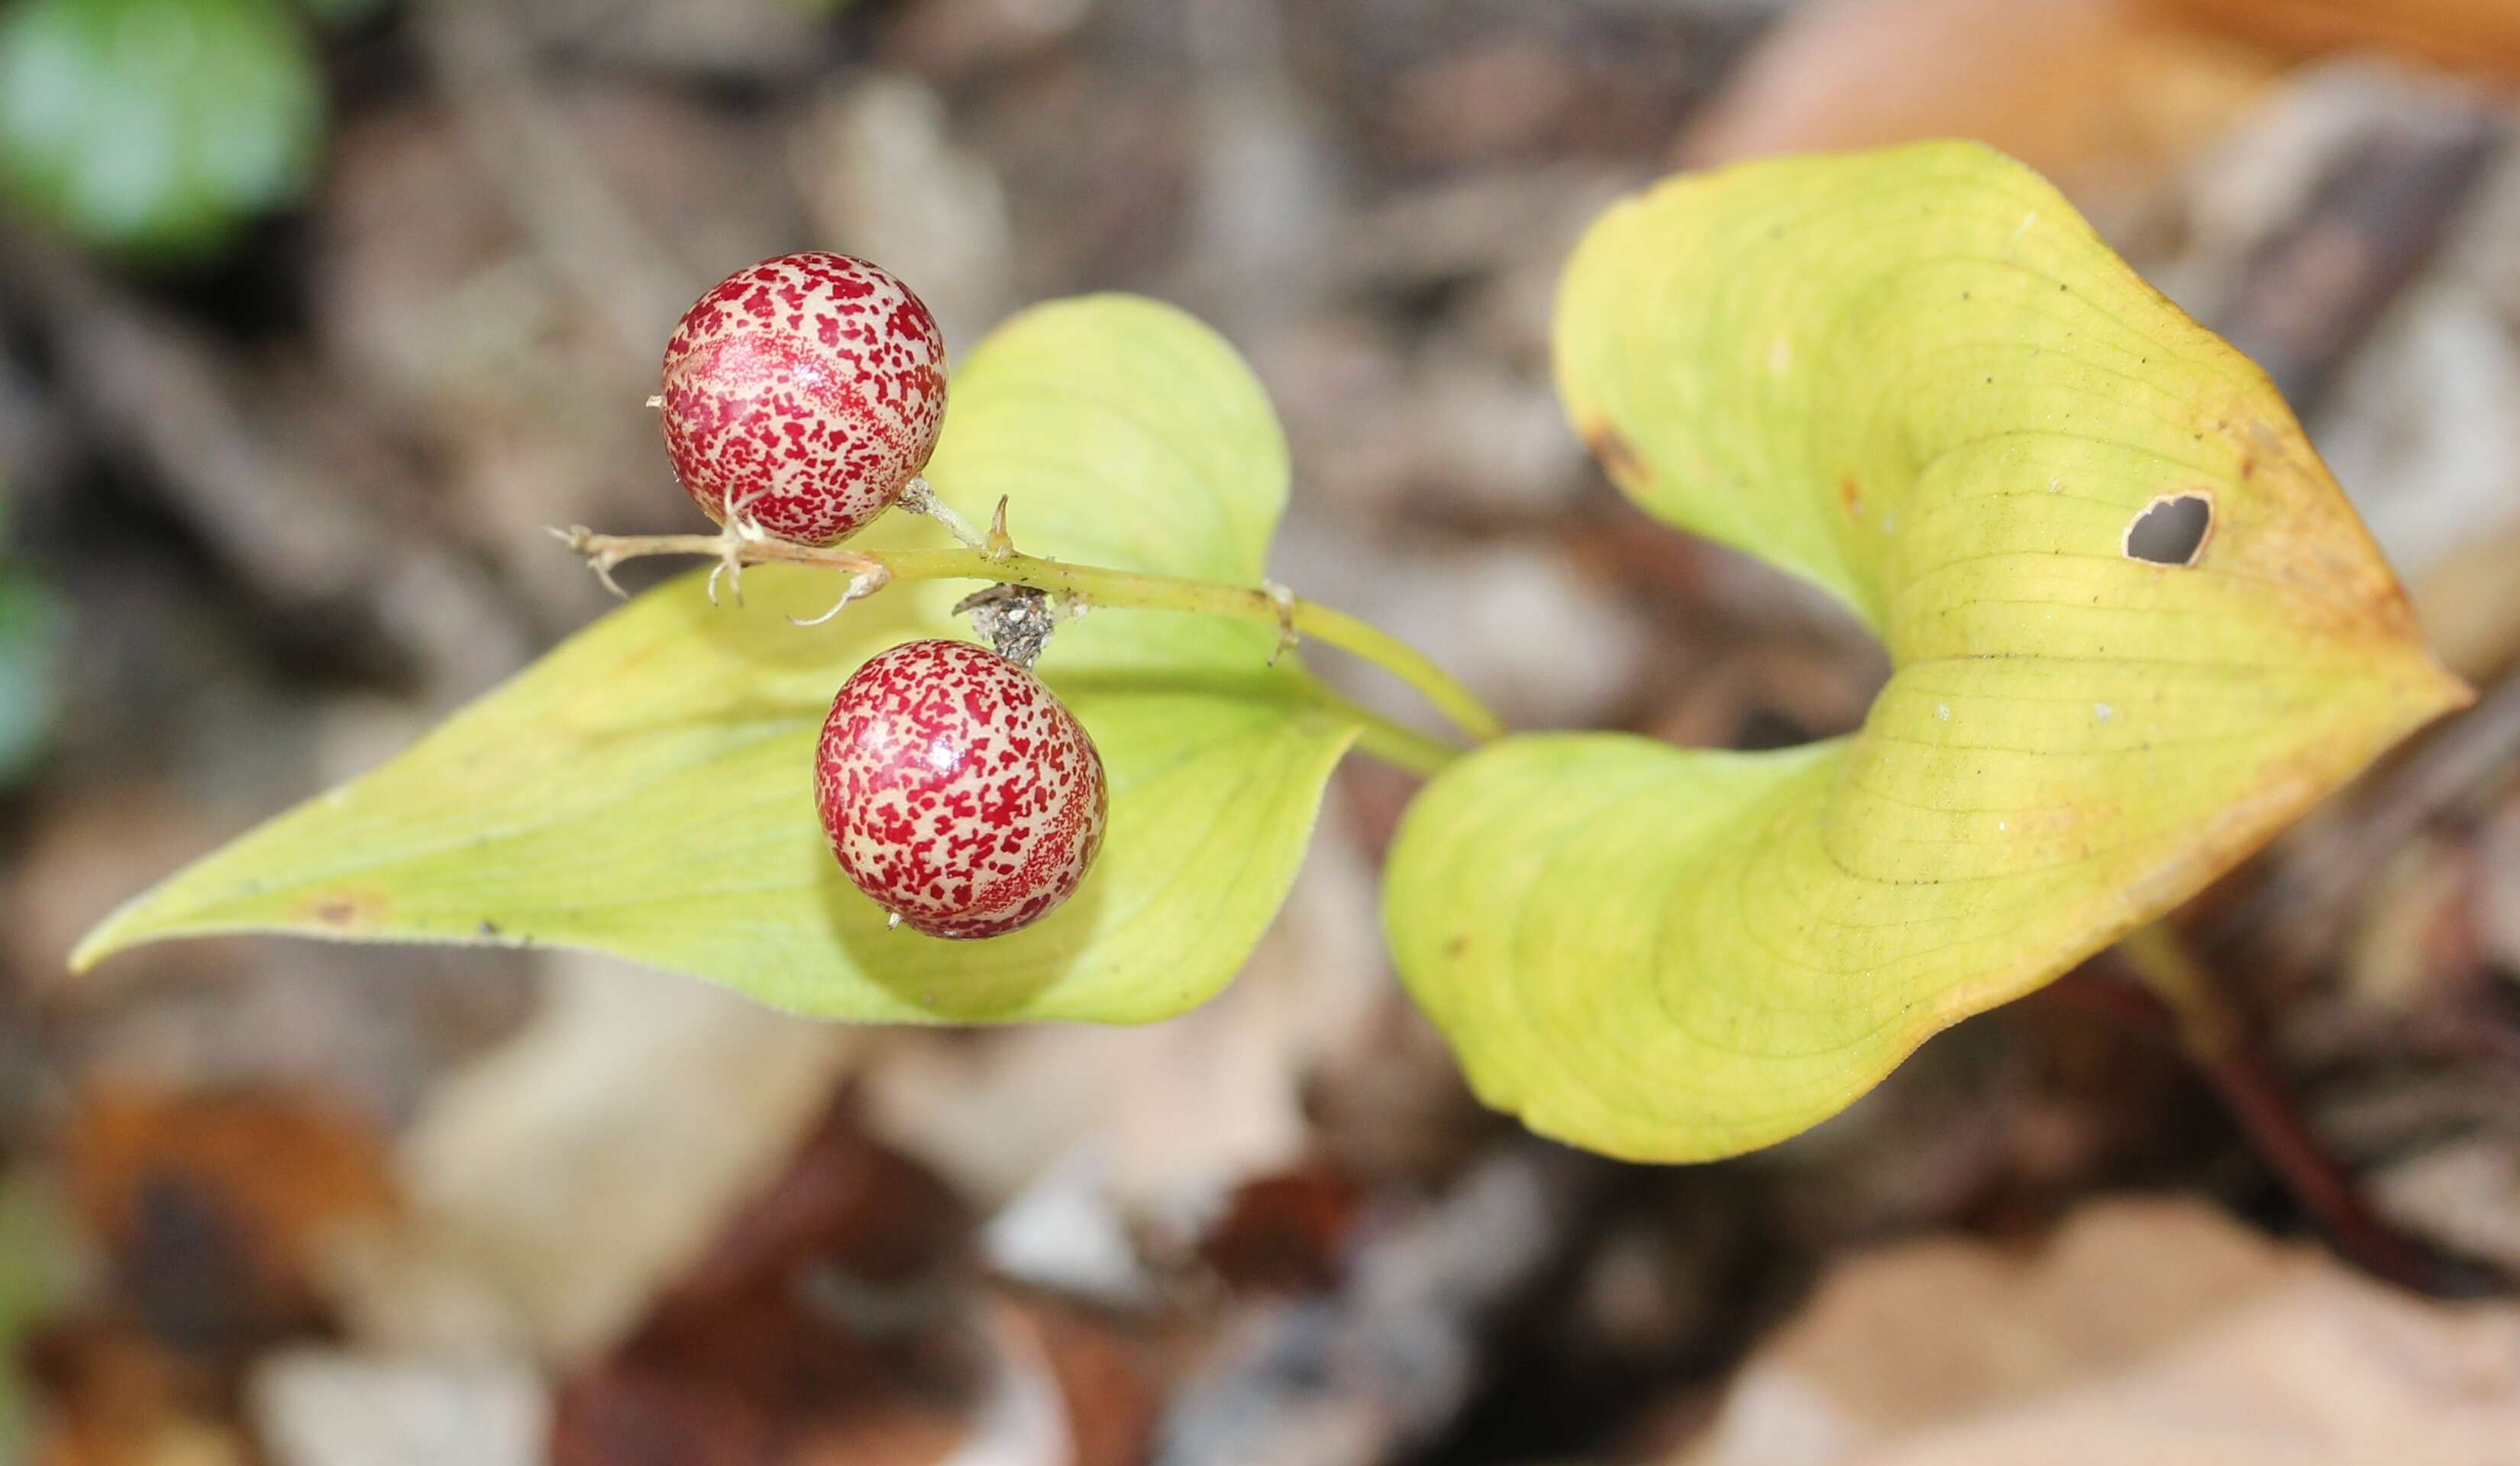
2450 692
2427 689
112 935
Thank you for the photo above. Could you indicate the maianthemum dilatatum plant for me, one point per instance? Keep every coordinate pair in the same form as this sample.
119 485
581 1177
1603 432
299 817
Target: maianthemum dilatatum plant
2135 631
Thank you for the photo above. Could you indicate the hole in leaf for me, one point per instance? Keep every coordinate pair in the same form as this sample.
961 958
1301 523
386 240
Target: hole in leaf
2170 530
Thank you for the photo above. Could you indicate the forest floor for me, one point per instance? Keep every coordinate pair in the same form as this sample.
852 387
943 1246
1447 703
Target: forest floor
322 1206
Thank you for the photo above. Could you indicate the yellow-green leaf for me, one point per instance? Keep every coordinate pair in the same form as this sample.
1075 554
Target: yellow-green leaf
647 788
1917 379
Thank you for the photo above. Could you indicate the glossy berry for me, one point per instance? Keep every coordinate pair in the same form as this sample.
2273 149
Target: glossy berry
806 391
958 791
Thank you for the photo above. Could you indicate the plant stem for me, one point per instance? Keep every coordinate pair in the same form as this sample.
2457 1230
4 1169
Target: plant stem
2209 1028
1093 586
2218 1041
1401 747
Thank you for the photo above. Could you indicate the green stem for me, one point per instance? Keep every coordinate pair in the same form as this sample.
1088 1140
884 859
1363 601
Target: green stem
1094 586
1401 747
2208 1025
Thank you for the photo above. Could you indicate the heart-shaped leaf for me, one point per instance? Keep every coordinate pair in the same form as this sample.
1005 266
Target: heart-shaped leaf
1917 379
647 788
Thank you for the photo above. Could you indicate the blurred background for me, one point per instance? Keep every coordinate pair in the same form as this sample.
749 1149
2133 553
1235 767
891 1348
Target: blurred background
312 312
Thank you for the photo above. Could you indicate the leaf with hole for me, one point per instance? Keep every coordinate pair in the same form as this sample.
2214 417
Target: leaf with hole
647 788
2135 630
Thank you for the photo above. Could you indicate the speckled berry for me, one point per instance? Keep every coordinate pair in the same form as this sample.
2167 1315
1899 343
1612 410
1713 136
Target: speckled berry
958 791
806 391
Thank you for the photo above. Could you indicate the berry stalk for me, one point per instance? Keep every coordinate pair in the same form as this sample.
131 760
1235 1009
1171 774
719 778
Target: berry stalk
1094 586
1294 617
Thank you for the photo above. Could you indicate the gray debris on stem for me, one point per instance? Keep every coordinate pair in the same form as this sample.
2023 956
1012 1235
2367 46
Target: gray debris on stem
1016 620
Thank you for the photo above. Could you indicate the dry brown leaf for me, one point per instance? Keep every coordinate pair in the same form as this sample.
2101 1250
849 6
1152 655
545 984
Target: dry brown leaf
587 1161
1180 1112
2103 94
1104 1375
115 1397
2481 34
1284 1233
834 1319
314 1405
216 1210
2152 1331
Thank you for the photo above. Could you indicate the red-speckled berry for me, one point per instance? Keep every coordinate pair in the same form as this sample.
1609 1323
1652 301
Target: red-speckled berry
958 791
806 391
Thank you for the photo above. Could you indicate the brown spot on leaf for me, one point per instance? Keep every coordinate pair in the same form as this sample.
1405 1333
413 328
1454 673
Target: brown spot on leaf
347 911
1618 457
1850 495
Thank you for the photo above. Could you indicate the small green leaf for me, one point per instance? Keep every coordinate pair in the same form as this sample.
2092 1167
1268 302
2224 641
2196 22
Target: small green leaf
1917 379
647 788
31 636
154 127
30 630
